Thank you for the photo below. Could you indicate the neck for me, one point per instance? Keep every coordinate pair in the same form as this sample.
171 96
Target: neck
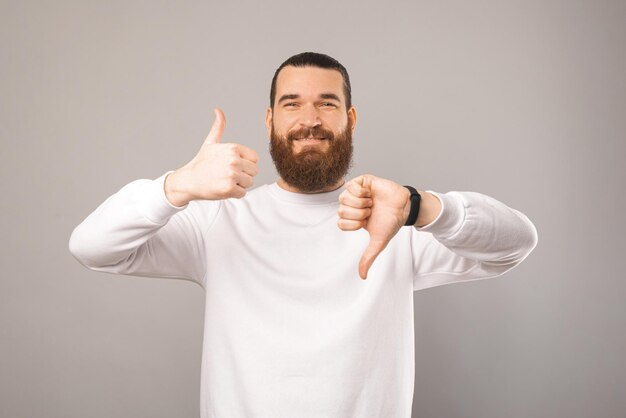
289 188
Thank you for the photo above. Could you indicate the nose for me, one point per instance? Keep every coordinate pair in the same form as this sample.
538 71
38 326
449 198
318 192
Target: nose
310 117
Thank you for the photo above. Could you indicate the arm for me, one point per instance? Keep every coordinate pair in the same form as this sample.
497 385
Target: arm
156 228
138 232
474 236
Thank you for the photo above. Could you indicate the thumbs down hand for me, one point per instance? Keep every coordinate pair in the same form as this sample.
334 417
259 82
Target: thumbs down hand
379 206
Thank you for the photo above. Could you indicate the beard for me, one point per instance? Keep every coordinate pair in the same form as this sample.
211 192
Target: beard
315 167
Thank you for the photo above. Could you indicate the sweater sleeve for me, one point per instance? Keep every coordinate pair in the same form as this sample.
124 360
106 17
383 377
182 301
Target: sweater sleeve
138 232
474 237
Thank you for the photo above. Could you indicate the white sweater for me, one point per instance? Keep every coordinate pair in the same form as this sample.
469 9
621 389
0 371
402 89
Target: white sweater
290 328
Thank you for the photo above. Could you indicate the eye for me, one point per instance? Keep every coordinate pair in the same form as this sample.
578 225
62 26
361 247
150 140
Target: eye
328 104
290 104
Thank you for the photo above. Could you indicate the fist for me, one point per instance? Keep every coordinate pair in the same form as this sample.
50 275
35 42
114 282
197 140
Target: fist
379 206
218 171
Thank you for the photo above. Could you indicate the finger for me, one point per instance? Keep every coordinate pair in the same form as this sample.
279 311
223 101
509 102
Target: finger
371 252
360 186
215 134
347 212
244 180
248 153
350 225
238 192
347 198
249 167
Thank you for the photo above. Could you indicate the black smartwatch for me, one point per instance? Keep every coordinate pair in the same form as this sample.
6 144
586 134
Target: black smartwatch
415 206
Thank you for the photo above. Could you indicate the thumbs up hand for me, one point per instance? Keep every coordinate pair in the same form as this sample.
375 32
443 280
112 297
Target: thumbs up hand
218 171
379 206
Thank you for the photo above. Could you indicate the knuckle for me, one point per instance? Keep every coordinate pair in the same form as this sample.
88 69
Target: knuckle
233 162
231 183
232 149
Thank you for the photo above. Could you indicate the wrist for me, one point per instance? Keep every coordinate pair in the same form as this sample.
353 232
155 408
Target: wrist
173 192
407 206
429 210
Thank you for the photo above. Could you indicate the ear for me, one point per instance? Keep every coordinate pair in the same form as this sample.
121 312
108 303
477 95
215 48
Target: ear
352 118
268 121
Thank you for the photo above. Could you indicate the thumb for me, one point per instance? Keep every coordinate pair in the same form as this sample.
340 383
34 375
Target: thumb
215 135
371 252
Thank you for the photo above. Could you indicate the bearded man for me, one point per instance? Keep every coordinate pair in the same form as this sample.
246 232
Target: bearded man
292 328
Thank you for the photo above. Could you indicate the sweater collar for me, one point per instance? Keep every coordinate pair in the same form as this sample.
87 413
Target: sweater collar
306 198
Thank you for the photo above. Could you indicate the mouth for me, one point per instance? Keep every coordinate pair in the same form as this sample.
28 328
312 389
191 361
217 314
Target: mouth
311 139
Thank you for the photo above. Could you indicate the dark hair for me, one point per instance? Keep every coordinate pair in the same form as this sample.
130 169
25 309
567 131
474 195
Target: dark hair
314 59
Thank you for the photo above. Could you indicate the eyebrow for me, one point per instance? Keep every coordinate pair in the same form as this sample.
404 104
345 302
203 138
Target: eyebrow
297 96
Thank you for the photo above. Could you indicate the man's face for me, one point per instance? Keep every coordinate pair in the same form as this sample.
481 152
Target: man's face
310 103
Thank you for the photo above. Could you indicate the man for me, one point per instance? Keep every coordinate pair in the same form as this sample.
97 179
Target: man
292 329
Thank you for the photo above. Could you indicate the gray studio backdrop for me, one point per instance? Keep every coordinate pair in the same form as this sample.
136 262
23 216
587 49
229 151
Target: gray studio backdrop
520 100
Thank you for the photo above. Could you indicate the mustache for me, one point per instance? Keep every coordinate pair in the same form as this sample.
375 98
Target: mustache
316 132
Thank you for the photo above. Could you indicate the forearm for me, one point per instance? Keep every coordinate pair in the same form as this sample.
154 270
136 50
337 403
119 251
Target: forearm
480 227
120 225
132 233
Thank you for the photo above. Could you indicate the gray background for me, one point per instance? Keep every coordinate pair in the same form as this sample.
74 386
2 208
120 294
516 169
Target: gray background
520 100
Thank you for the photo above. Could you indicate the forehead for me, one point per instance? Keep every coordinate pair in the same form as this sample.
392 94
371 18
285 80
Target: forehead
309 81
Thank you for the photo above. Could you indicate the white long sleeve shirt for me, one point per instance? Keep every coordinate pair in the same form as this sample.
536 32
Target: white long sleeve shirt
290 328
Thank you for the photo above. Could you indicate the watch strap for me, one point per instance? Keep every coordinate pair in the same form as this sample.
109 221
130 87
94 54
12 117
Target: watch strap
415 206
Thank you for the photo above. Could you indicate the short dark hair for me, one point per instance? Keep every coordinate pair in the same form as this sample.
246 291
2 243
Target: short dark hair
314 59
